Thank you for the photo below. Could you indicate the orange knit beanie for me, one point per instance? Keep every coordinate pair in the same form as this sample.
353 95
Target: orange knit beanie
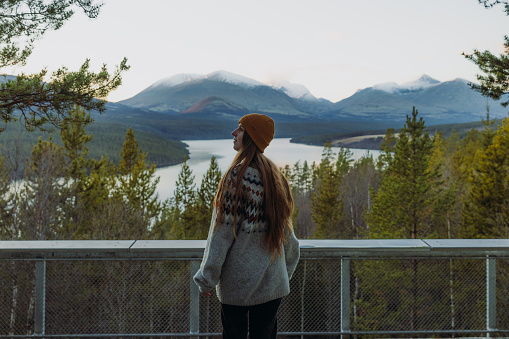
260 128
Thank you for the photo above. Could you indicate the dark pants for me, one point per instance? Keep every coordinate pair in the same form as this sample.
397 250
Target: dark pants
262 320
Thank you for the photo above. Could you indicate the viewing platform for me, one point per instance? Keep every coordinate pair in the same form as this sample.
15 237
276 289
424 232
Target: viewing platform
144 288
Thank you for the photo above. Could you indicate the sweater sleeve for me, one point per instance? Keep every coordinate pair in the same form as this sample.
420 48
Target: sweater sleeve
292 253
219 242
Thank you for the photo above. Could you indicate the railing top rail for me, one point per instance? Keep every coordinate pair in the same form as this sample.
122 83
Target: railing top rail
66 245
366 244
469 244
309 248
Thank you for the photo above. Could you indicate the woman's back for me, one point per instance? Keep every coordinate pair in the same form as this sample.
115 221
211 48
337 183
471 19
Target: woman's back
250 274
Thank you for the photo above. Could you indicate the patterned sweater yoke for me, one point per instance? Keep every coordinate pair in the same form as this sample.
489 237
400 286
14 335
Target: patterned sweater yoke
250 212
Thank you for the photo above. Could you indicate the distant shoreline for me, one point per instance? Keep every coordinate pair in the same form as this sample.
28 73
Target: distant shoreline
370 141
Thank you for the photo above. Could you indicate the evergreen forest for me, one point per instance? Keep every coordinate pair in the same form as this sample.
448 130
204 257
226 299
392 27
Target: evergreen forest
423 185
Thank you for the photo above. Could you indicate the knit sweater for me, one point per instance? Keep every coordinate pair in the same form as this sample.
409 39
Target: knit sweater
243 272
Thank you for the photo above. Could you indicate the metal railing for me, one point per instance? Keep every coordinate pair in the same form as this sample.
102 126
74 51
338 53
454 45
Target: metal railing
340 287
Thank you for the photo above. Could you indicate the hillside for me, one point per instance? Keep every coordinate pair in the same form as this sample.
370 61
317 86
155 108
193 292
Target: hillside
203 125
213 105
16 144
372 139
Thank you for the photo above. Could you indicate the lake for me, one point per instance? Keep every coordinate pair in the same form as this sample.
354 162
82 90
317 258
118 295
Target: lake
280 151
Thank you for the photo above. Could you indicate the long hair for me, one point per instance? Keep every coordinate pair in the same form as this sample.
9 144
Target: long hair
278 201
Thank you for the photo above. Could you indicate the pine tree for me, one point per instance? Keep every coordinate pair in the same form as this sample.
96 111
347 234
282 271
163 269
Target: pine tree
361 178
94 197
75 138
326 204
300 179
402 207
6 222
210 184
495 82
305 177
129 154
465 157
205 199
137 185
387 147
44 192
486 211
182 215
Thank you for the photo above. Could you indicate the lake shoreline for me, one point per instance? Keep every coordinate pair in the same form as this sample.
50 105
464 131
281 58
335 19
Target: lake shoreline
280 151
371 142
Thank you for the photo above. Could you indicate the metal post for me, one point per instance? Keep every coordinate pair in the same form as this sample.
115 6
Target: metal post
345 295
491 293
194 305
40 297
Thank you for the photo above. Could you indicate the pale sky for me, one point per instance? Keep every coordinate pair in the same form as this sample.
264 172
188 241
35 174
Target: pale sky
332 47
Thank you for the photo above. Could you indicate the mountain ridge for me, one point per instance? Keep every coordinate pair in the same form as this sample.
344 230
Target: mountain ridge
182 96
438 102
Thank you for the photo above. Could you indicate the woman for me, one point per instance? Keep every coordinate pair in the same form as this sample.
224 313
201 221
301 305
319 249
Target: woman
251 250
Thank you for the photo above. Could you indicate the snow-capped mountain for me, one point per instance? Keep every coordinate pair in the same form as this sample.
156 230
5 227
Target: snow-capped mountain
438 102
232 78
223 76
424 81
177 80
220 93
293 90
179 93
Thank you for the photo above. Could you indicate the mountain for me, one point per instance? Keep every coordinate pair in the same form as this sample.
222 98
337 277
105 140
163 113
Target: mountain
420 83
183 92
225 94
438 102
224 76
295 91
214 105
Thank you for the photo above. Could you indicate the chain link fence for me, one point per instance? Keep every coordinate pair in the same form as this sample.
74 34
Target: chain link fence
382 296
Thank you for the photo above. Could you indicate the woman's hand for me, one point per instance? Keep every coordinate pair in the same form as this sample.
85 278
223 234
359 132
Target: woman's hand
206 294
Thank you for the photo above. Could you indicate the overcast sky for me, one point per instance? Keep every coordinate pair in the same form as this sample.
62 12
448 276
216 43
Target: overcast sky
332 47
